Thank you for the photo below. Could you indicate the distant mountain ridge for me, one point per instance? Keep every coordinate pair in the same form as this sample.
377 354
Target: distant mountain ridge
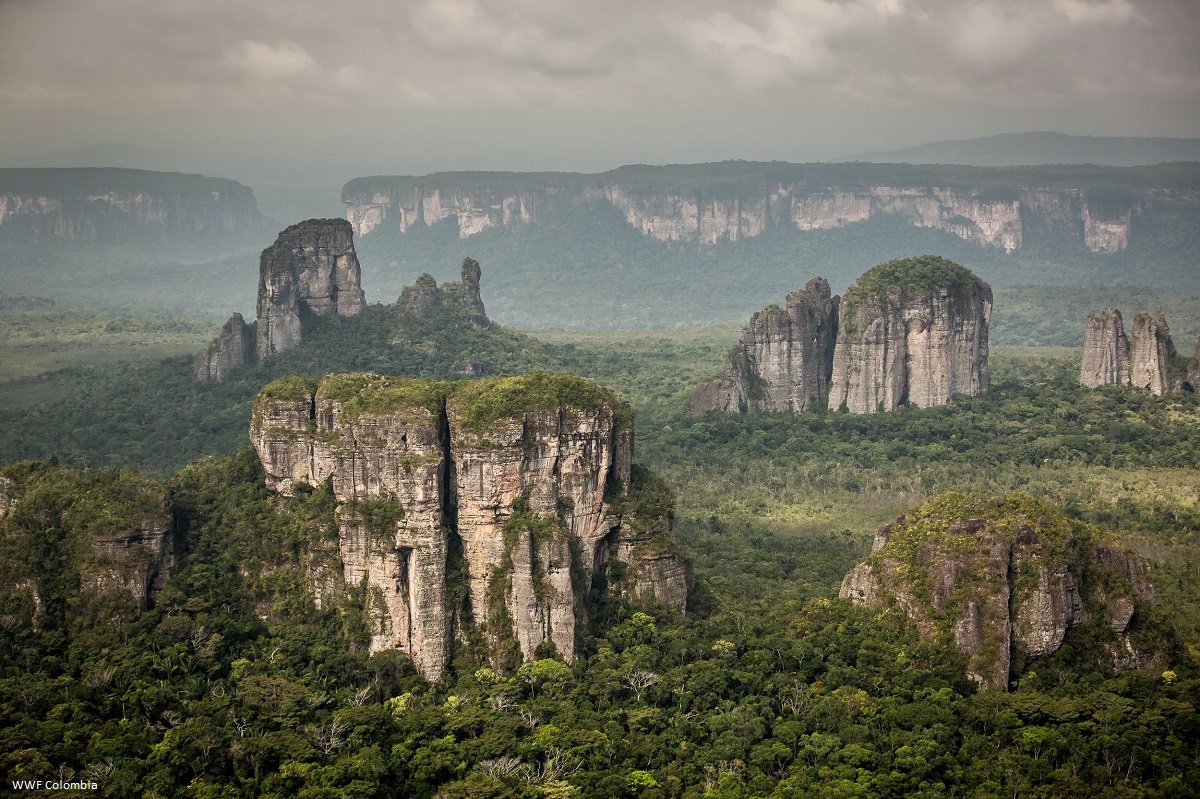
1043 148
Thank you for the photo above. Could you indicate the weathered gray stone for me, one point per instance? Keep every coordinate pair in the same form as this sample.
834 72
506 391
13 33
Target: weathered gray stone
921 340
1151 354
783 360
1105 350
310 269
233 348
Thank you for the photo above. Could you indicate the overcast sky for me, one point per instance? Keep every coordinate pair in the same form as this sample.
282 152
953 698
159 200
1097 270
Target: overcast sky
414 86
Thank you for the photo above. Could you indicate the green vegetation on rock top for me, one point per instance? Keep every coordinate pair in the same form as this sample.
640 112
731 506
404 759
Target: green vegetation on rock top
365 392
478 403
289 387
909 277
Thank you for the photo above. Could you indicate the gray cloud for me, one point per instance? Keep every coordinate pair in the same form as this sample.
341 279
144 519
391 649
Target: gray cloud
528 83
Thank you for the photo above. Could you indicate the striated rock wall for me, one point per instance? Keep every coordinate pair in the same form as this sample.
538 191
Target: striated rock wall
233 348
1002 576
515 476
784 359
912 331
729 202
1151 353
113 205
311 269
1150 362
1105 350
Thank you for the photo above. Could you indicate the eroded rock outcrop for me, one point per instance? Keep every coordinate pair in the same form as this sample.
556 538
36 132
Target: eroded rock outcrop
525 480
1105 350
1148 362
310 270
77 540
783 360
1003 576
117 205
912 331
233 348
425 296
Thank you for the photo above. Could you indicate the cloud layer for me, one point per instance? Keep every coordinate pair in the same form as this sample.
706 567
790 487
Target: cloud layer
590 81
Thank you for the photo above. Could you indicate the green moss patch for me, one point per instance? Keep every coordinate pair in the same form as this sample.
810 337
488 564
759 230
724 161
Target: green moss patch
906 278
480 403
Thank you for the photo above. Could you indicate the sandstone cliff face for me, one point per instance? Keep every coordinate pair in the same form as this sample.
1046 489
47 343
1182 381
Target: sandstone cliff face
113 205
311 269
1151 354
511 475
1150 362
1105 350
233 348
1003 576
784 359
745 200
913 331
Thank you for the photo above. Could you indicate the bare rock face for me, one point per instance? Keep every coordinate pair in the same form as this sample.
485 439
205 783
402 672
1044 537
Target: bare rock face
311 269
912 331
233 348
1151 354
784 359
1149 363
514 476
998 576
1105 350
424 295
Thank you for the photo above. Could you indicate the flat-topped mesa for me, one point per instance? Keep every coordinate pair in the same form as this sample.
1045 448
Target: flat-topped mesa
514 476
912 331
232 348
1149 362
424 295
1105 350
784 359
310 270
998 576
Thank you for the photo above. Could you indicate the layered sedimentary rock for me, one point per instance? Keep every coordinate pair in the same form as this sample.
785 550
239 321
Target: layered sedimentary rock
115 205
998 576
784 359
1151 354
233 348
1105 350
311 269
515 476
425 295
708 203
912 331
1150 362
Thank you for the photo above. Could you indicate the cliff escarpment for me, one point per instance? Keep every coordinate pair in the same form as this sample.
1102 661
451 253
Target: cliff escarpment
913 331
80 547
311 270
1097 208
1148 361
115 205
471 511
1006 581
